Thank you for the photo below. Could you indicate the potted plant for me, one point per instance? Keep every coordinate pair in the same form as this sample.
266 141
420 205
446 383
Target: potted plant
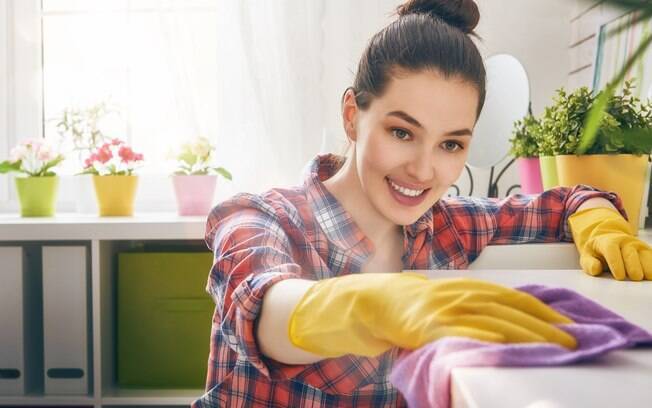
617 159
80 127
112 166
37 190
195 176
525 149
81 130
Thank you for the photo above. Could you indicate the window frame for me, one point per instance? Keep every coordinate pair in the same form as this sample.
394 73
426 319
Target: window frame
21 83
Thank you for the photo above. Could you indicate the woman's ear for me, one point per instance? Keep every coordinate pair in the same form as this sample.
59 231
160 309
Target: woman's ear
349 113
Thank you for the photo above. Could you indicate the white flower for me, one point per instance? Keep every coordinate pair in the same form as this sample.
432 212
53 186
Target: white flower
18 153
45 153
34 155
201 147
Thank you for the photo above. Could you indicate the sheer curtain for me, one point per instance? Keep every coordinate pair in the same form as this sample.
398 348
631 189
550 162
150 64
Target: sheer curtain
269 113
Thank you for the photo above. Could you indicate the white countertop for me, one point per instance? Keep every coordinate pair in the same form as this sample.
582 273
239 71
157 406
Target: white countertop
621 378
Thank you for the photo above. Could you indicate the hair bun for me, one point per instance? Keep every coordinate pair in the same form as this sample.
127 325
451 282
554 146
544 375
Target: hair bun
463 14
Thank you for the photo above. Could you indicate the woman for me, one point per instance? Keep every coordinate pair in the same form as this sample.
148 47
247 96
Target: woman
307 316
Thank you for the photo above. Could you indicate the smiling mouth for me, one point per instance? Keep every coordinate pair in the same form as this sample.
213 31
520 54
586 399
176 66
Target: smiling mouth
407 192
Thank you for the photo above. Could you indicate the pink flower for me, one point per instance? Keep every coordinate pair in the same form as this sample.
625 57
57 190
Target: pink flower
128 155
89 161
104 153
113 157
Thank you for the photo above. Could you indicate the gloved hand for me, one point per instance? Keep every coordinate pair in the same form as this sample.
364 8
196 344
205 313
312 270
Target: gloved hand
605 239
367 314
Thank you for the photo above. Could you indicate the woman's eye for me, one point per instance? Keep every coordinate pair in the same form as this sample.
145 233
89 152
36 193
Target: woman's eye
400 134
452 146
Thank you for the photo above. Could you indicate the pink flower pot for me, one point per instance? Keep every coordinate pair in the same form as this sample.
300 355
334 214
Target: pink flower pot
530 174
194 194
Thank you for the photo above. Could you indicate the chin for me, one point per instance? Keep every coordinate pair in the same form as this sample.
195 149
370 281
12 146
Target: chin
407 218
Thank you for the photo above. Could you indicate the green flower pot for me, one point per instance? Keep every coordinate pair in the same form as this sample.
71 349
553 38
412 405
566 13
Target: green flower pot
548 172
37 195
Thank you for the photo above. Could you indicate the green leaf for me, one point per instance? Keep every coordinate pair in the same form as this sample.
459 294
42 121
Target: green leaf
52 164
638 141
223 172
7 166
89 170
597 112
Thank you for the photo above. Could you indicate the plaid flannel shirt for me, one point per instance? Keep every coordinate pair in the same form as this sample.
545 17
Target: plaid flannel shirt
304 232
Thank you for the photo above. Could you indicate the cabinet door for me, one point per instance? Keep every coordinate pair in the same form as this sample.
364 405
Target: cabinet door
12 370
65 320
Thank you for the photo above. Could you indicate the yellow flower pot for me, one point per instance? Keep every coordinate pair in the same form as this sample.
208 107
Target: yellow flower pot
623 174
115 194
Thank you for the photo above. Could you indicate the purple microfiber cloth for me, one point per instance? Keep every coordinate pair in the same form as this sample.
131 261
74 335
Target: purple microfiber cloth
423 375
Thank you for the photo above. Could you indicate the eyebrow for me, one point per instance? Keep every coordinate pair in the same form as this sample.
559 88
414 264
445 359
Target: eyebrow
414 122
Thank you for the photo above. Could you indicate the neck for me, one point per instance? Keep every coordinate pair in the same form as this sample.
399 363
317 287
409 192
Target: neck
345 186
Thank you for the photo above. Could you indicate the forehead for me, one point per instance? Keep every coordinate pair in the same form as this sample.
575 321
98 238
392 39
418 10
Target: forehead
431 98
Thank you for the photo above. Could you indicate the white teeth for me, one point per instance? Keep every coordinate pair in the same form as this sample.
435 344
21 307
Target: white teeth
405 191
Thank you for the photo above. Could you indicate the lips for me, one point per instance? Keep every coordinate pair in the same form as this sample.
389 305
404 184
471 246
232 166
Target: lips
405 199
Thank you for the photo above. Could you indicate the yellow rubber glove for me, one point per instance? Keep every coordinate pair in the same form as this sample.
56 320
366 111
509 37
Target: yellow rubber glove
604 240
367 314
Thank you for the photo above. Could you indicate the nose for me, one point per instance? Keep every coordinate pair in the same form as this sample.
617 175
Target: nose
421 168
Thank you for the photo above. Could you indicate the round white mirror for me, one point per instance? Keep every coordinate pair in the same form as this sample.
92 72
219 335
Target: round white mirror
507 100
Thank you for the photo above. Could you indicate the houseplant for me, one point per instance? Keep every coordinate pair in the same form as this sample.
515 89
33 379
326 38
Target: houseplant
82 130
560 129
525 149
37 188
617 158
80 127
195 176
112 166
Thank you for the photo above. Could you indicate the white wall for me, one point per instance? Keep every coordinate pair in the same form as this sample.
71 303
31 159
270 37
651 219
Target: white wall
537 32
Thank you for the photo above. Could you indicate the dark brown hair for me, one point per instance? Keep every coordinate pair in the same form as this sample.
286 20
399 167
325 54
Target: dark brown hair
427 35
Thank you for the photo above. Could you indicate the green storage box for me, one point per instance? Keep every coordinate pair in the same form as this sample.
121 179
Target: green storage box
163 319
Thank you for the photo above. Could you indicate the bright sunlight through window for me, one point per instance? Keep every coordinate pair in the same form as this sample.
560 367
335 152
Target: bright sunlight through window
150 63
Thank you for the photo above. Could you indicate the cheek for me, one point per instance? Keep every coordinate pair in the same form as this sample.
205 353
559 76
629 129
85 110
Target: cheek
376 154
450 168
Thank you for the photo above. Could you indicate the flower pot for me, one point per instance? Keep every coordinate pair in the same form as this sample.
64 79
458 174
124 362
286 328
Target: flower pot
37 195
115 194
530 175
194 194
623 174
549 176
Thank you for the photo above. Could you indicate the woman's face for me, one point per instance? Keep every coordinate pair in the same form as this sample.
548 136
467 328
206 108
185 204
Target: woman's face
411 144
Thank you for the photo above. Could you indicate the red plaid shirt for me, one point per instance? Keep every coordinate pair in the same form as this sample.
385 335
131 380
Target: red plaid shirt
304 232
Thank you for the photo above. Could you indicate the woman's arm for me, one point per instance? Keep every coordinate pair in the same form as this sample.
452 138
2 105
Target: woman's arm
597 202
272 330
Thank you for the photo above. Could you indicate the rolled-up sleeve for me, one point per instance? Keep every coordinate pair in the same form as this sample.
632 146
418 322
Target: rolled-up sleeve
251 253
520 218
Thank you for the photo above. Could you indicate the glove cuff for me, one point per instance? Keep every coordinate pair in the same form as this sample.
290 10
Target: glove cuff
583 222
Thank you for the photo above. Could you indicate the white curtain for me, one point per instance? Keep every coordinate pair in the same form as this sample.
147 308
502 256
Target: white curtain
269 113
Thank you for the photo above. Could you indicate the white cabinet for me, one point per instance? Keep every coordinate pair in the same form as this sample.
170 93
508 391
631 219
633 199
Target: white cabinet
61 272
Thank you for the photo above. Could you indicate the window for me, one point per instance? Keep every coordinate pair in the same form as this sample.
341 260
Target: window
153 61
170 70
